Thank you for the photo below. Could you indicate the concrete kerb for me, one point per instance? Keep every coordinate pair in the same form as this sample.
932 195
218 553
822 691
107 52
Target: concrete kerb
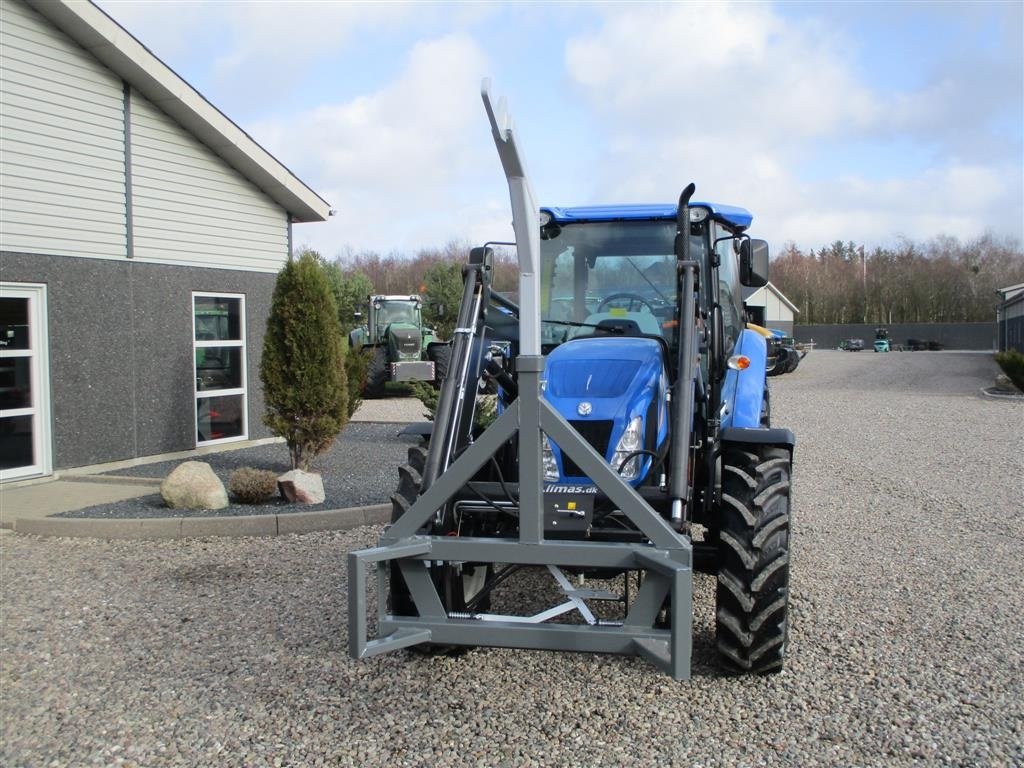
197 527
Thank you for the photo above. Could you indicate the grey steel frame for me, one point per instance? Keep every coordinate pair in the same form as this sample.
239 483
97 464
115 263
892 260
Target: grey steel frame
667 561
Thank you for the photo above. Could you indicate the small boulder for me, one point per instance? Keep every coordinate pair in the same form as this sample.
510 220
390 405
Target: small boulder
1004 384
193 485
302 487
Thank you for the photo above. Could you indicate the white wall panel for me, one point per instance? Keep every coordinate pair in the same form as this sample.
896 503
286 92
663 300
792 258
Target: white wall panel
191 207
62 176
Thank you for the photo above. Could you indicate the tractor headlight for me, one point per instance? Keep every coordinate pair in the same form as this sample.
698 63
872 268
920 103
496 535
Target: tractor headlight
548 460
629 443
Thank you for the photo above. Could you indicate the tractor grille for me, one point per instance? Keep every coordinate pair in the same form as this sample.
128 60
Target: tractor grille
597 433
407 340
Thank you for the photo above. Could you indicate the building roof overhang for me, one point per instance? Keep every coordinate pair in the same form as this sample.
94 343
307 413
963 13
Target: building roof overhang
116 48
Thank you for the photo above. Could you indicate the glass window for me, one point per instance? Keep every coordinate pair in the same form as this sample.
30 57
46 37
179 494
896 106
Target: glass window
220 418
25 439
219 362
729 295
620 268
13 323
15 382
16 442
218 318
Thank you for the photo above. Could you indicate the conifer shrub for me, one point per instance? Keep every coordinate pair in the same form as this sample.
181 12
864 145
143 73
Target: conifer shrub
303 365
1012 363
252 486
357 361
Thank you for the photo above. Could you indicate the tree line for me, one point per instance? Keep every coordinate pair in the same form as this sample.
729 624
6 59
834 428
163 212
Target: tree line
940 280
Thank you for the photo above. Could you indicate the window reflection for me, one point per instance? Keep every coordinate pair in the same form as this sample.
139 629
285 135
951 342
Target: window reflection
219 417
13 323
218 368
15 383
16 442
218 318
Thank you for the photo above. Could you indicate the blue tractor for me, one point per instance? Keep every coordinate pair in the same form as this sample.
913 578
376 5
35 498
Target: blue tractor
633 444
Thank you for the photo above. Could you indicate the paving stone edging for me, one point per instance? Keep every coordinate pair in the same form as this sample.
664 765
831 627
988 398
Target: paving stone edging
190 527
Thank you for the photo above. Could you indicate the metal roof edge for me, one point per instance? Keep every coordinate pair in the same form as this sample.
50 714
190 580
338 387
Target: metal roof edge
782 296
97 32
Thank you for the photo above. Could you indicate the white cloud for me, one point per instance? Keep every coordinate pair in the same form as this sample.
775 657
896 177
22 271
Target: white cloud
400 164
745 103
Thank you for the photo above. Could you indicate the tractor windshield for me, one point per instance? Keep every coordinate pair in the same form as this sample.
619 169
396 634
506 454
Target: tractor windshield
594 271
407 312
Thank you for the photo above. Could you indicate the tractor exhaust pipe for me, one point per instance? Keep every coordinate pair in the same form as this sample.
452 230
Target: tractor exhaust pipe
682 398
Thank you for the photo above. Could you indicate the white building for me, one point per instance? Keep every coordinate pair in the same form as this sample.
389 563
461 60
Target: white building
767 306
140 234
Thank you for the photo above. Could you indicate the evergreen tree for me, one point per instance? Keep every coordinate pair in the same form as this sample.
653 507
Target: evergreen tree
302 369
443 284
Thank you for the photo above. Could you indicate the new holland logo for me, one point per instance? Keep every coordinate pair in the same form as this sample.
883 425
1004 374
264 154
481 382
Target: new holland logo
584 408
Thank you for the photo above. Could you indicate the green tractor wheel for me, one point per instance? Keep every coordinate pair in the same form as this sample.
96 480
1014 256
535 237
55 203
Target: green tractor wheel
376 373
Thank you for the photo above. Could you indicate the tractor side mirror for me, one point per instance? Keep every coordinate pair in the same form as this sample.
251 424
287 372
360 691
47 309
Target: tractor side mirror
438 308
754 263
357 315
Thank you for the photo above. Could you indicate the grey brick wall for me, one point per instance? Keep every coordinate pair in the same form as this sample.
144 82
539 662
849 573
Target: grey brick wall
120 338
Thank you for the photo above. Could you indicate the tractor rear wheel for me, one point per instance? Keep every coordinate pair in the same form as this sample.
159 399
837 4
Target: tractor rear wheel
751 617
455 587
376 373
441 356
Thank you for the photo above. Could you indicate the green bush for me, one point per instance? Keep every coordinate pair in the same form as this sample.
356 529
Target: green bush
486 405
303 366
252 486
356 363
1012 363
426 393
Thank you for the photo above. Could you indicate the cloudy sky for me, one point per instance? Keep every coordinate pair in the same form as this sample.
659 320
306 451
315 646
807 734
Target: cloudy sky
858 121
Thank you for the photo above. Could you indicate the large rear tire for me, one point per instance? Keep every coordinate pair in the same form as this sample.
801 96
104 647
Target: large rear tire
376 373
751 619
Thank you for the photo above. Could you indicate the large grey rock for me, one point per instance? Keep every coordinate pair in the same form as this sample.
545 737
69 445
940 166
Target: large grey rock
302 487
193 485
1004 383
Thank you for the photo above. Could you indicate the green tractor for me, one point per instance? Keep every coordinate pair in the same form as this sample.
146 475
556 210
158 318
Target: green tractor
404 349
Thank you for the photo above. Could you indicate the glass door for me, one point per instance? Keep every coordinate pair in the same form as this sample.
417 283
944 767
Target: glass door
24 382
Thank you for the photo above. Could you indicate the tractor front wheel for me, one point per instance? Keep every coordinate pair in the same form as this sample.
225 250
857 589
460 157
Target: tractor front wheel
455 587
752 597
376 373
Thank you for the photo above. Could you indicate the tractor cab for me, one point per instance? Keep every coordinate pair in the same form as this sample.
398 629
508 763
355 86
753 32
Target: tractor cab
610 311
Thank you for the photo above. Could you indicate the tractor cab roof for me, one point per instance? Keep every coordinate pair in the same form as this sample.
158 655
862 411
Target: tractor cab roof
730 215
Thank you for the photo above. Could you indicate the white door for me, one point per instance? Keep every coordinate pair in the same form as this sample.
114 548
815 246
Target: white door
24 382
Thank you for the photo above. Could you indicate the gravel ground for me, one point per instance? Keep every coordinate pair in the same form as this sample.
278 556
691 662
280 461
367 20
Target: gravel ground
905 648
358 470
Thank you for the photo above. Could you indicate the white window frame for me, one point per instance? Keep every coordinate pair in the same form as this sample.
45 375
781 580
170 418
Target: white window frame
208 393
39 371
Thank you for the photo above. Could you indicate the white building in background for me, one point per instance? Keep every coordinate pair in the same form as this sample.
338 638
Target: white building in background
768 306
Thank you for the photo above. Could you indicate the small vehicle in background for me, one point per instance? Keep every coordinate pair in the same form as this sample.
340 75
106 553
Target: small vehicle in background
881 339
854 345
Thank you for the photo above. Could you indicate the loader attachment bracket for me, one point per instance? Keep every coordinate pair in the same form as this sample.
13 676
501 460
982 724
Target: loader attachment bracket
665 556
